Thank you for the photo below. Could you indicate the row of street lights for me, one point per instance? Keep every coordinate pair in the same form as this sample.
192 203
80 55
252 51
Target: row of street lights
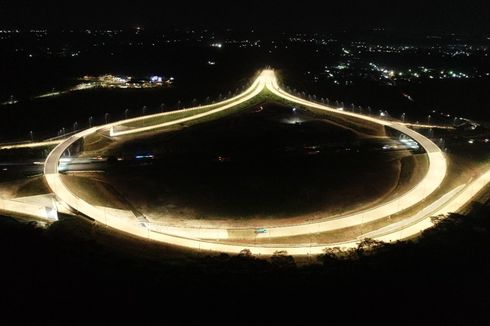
352 106
144 110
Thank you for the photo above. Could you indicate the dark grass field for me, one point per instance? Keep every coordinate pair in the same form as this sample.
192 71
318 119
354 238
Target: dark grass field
269 161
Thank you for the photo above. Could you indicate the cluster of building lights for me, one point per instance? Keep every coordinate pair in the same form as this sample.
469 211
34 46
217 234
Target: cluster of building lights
418 72
345 71
111 81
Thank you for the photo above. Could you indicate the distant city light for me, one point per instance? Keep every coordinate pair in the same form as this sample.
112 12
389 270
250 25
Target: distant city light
139 157
156 79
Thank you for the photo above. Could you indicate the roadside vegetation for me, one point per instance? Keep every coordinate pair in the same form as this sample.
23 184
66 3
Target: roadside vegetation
444 273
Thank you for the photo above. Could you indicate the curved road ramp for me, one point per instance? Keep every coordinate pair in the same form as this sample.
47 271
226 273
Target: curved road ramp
209 237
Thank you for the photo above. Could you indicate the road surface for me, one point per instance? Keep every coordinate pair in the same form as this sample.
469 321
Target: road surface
198 238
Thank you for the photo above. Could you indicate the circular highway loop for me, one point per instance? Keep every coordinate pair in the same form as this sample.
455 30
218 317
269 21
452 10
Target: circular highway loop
200 237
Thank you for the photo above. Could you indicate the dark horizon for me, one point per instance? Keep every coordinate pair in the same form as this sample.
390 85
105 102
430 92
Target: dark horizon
417 16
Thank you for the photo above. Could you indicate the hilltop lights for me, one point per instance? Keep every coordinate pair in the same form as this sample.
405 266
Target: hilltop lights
156 79
111 81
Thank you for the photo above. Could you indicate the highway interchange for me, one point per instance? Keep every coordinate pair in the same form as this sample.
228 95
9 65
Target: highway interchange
209 237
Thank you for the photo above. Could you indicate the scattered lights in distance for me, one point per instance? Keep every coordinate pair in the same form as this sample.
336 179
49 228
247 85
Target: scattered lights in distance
139 157
156 79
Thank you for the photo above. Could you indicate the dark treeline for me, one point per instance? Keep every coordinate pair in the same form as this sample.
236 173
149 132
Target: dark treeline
73 270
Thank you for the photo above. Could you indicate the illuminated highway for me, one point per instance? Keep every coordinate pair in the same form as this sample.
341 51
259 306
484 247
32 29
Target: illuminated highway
206 238
31 145
254 90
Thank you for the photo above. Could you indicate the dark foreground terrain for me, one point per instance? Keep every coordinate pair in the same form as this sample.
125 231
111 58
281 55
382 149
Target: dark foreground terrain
75 272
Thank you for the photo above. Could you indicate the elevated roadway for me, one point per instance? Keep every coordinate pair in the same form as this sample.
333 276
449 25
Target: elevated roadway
213 239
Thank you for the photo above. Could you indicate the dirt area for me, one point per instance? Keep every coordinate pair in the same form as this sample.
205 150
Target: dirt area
94 190
29 186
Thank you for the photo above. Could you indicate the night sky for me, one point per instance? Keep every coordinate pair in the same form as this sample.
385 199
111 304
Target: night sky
435 15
